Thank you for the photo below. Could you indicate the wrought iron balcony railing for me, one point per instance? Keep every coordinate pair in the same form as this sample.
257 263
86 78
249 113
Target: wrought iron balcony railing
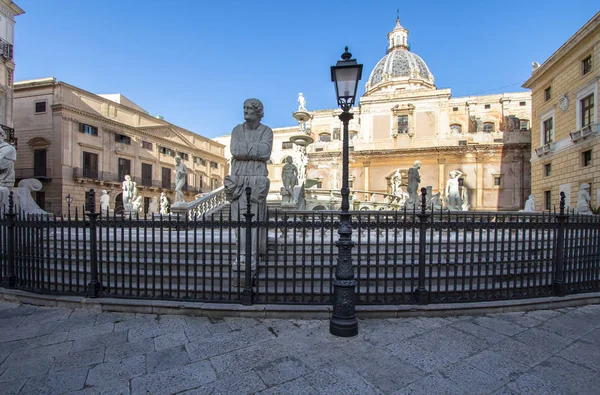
6 50
41 173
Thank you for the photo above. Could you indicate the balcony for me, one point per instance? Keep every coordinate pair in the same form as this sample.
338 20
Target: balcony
545 149
10 133
584 132
6 50
40 173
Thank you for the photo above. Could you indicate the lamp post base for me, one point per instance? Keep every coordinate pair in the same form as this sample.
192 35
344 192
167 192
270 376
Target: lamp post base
343 321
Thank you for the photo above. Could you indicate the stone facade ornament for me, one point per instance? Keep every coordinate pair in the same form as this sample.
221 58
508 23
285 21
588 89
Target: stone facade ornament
165 205
180 178
563 102
251 145
583 199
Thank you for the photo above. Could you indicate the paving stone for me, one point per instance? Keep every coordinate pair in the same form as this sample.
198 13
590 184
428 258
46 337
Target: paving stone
113 317
25 369
10 334
479 331
432 384
529 384
542 315
91 331
281 370
519 318
6 305
454 344
60 382
174 380
279 327
497 365
565 375
51 351
583 353
67 325
520 352
13 387
498 325
297 386
389 331
428 361
235 384
196 331
34 342
109 388
106 339
166 359
537 338
339 380
224 343
238 323
11 322
570 325
19 311
592 337
219 328
170 340
116 371
78 359
128 350
593 309
470 379
427 323
242 360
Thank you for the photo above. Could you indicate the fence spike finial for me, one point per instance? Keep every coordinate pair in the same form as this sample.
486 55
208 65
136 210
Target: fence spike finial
562 203
423 200
11 203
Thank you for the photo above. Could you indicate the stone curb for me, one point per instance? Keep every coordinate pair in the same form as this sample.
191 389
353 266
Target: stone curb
218 310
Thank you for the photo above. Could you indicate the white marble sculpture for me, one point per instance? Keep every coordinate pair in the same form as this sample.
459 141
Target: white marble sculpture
251 144
180 177
413 185
289 176
8 156
396 184
529 205
453 199
136 204
153 207
165 205
104 203
129 193
584 199
301 102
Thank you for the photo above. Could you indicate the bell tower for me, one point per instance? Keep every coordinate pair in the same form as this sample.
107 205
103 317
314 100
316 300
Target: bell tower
398 38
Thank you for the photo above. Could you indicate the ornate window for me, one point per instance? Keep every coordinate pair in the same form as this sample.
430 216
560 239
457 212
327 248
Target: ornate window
325 137
402 124
587 110
456 128
488 127
146 144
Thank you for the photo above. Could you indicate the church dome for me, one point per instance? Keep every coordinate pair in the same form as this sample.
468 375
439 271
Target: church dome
400 68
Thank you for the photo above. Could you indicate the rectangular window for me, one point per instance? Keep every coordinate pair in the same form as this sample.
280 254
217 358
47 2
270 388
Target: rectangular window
547 169
39 163
166 151
40 107
586 65
319 184
548 93
454 108
146 145
40 199
90 165
548 132
123 139
488 127
199 161
587 110
166 178
88 129
462 142
147 174
183 155
497 181
336 134
524 124
403 124
324 137
286 145
487 106
522 103
146 205
124 168
350 183
214 165
547 200
586 158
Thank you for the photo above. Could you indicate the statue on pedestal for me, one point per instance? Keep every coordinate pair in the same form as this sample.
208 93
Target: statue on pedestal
153 207
129 193
413 184
529 205
165 205
396 184
180 178
104 203
453 199
289 176
584 199
301 102
251 144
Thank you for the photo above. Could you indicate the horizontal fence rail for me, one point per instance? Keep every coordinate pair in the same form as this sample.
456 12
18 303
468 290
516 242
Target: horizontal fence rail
399 257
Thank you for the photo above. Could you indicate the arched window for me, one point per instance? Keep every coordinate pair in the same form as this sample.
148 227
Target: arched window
325 137
488 127
456 128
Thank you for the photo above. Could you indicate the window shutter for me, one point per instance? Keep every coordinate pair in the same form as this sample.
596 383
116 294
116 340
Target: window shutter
81 126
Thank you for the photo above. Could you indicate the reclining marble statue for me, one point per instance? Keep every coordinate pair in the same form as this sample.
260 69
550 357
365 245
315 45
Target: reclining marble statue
251 144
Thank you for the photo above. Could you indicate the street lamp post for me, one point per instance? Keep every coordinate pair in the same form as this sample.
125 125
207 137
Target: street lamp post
69 200
345 74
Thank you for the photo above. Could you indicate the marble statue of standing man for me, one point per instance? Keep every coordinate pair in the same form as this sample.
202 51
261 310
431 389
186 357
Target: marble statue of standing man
251 144
301 102
104 203
180 177
8 156
584 199
289 176
413 184
452 191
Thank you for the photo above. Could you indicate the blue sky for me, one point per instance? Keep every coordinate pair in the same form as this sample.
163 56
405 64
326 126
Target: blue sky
195 61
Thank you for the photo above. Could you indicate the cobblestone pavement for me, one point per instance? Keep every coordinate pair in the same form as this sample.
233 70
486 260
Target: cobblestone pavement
54 350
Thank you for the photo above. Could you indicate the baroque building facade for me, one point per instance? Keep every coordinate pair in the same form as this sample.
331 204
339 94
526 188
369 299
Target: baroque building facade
565 129
8 11
402 117
73 141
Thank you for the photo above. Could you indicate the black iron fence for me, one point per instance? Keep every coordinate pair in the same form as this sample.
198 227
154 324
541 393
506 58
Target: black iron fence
399 257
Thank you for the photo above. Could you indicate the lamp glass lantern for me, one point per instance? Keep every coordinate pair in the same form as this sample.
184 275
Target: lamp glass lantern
346 74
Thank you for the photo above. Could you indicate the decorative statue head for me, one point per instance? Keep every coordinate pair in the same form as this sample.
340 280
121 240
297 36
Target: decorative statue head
127 178
584 187
289 159
178 159
253 110
417 164
104 192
